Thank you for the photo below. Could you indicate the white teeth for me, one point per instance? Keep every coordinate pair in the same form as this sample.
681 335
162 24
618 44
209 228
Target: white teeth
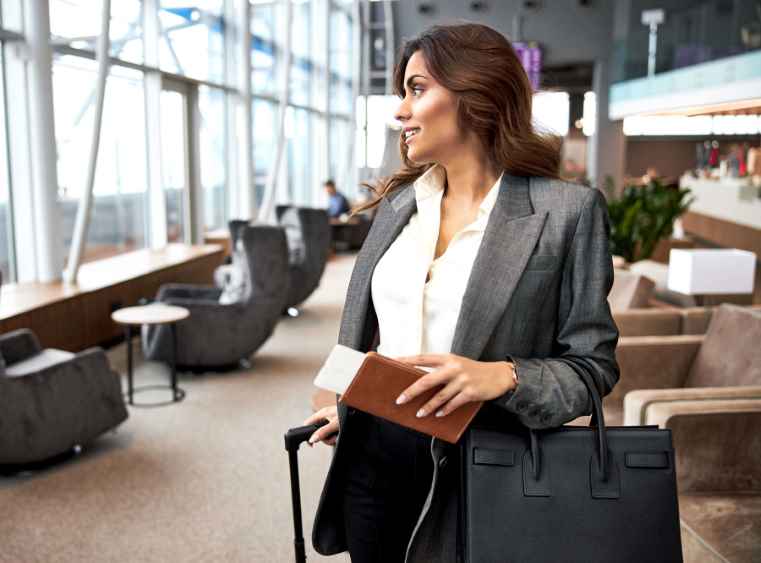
410 133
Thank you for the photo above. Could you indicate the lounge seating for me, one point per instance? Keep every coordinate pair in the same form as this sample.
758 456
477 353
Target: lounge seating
659 273
630 291
350 235
228 324
670 321
308 232
52 400
707 391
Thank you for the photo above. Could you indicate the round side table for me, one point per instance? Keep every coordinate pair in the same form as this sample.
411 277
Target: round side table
153 314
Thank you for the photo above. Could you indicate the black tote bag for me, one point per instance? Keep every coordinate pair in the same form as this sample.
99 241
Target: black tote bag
569 494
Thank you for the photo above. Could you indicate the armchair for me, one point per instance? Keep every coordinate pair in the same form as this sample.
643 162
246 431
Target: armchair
227 324
630 291
52 400
308 232
707 391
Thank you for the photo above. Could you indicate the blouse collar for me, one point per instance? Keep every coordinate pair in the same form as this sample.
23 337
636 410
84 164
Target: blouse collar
431 184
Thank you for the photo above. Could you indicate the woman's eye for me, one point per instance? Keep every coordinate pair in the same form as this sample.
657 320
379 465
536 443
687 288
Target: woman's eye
416 91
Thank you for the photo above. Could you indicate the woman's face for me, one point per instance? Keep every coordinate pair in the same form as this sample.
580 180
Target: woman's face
428 113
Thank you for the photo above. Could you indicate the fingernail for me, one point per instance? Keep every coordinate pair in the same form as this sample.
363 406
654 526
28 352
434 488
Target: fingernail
311 440
420 413
401 399
439 413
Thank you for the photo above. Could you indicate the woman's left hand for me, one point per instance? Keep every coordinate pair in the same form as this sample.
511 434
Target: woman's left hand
464 381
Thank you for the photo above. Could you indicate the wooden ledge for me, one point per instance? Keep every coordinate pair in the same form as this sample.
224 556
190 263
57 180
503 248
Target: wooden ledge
75 316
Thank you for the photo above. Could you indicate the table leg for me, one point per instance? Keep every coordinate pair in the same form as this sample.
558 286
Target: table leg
174 361
128 341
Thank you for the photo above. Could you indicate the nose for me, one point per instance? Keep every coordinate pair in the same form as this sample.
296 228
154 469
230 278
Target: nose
402 113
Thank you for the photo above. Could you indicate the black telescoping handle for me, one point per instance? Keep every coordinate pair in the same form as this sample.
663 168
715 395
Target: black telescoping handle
293 439
296 436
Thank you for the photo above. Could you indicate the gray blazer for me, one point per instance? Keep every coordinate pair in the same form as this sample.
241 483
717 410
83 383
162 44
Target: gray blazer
537 294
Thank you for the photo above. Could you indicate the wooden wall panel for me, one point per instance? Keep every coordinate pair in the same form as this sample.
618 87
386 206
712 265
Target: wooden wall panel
723 233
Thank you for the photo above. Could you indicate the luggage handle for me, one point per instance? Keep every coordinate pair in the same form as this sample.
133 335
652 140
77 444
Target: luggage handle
293 439
296 436
597 417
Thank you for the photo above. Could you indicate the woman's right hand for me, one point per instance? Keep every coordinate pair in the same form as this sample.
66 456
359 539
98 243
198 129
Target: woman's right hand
327 433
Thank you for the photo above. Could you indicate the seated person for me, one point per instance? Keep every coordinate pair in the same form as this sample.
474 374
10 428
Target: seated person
337 202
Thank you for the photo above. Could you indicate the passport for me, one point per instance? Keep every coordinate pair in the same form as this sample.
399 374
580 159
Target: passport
339 369
380 380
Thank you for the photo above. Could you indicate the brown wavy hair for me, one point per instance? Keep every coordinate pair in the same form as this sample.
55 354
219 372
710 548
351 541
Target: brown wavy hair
479 65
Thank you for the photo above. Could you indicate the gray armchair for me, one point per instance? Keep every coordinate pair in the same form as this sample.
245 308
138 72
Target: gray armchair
308 232
227 324
52 400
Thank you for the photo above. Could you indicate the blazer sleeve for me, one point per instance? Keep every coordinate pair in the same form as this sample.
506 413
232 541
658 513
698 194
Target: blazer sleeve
550 392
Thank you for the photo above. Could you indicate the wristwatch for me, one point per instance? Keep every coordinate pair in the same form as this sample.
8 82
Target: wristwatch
515 373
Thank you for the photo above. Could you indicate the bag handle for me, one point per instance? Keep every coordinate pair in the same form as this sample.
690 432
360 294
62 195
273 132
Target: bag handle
597 417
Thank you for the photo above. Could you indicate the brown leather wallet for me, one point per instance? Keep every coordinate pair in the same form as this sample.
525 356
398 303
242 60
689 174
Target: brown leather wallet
380 380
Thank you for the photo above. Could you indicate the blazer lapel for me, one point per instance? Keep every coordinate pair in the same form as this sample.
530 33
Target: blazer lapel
509 240
390 225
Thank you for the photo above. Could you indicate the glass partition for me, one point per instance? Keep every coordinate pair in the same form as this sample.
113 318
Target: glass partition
693 32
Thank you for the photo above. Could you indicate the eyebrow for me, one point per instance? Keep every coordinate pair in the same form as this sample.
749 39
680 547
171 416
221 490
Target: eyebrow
411 78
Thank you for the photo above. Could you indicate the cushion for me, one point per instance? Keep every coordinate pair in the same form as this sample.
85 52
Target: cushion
234 288
630 291
291 222
234 280
48 357
730 353
695 320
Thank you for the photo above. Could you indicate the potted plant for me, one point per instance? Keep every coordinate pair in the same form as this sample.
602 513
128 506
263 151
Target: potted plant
643 215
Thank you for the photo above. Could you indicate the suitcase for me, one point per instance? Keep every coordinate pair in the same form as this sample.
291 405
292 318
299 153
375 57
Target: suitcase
293 439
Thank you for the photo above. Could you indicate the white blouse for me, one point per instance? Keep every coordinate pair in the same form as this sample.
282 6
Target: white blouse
415 316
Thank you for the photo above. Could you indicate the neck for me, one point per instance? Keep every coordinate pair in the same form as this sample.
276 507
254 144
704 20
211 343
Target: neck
469 177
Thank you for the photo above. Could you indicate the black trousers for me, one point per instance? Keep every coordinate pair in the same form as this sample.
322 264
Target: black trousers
387 477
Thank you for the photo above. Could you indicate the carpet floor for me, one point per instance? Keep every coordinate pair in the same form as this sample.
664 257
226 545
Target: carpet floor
201 480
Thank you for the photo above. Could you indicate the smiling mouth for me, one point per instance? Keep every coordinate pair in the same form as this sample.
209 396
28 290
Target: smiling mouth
410 134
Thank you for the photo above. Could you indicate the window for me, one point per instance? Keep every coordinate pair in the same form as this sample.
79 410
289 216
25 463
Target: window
264 53
118 221
341 69
211 104
302 67
78 23
6 217
265 114
297 129
192 38
340 155
551 112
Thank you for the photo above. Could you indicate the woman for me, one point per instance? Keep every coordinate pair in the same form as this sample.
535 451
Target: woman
481 266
